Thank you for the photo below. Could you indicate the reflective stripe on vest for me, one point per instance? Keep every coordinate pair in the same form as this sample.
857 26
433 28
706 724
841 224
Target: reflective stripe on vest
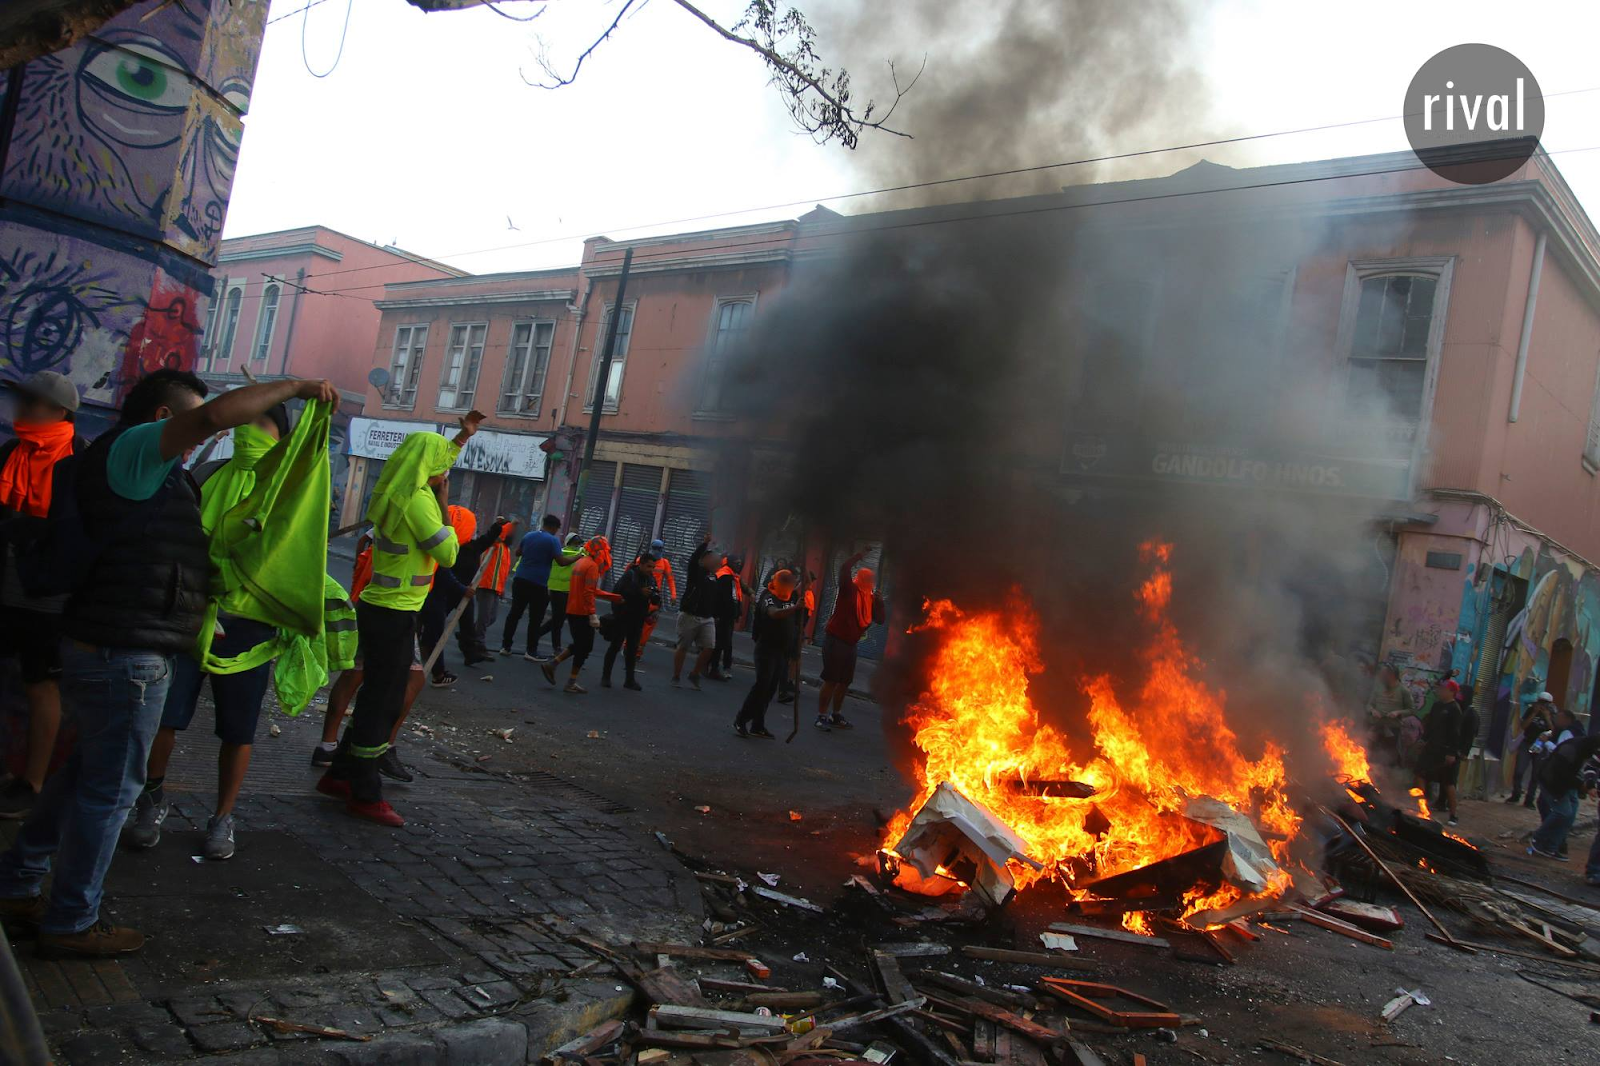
342 625
384 544
385 581
437 539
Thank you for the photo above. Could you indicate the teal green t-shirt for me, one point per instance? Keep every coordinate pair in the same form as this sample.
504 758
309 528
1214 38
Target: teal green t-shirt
135 468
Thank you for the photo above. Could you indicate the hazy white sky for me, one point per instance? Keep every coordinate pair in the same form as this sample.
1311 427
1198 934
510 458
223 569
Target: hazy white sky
426 135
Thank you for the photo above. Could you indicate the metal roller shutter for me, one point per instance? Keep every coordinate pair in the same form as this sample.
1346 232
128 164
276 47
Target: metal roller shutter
596 514
873 644
685 519
636 514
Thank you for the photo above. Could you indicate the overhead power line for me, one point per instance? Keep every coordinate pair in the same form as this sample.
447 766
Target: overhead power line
990 209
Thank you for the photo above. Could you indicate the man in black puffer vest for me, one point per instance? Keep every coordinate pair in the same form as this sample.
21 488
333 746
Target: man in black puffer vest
137 600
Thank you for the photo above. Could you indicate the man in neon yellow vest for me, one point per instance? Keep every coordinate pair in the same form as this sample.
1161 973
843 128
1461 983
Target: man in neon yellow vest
410 540
560 587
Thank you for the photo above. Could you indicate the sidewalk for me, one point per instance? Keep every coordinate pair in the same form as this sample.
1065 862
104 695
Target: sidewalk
456 939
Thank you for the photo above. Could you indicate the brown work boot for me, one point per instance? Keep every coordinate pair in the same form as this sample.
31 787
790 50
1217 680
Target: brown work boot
21 917
100 940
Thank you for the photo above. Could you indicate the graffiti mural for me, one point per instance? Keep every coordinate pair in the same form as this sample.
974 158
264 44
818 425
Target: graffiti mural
115 189
1552 643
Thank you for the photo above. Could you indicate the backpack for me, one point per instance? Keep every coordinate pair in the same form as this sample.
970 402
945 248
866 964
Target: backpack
1558 771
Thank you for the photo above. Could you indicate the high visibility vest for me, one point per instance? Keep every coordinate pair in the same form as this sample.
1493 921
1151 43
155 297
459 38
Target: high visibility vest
561 576
402 568
339 635
494 577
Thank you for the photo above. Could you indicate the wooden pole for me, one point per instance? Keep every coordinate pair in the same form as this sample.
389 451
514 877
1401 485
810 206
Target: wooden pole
1401 885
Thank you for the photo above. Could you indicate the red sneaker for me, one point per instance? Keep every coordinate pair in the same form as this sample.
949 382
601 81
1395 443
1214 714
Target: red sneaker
379 812
333 786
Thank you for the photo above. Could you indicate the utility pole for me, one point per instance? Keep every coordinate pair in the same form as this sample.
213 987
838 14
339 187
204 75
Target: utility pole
602 376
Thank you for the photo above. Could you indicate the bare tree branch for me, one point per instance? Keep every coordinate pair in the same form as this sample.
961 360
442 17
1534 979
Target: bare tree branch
818 99
557 79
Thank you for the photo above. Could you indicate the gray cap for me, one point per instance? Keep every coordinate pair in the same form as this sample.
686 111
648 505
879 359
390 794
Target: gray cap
49 385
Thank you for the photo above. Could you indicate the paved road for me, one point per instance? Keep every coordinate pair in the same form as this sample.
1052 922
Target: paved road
666 751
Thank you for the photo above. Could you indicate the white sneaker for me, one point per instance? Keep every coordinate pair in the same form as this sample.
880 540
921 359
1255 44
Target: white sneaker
143 827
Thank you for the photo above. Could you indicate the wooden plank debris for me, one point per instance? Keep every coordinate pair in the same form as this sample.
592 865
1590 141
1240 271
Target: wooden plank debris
590 1042
1028 958
717 984
1496 949
662 985
891 979
1086 996
672 1016
840 1024
784 898
1120 936
1006 1020
691 951
1002 997
913 949
283 1025
983 1040
1323 921
786 1000
1297 1053
914 1038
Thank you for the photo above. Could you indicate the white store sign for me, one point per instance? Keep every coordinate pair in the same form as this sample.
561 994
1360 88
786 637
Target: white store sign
488 452
377 438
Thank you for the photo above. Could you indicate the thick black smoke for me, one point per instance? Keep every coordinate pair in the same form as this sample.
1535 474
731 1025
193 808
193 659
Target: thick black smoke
926 369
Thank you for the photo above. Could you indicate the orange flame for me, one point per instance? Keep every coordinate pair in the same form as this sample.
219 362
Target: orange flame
977 729
1422 802
1349 757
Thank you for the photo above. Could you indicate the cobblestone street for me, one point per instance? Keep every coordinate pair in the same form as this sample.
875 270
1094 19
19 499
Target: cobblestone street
451 937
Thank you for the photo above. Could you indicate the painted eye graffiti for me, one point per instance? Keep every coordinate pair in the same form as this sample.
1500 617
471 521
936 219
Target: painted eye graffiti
140 75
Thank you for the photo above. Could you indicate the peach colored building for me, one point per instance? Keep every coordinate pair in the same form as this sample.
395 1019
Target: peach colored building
1438 347
301 303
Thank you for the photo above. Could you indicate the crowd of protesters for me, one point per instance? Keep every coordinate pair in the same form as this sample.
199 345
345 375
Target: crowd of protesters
130 582
1555 765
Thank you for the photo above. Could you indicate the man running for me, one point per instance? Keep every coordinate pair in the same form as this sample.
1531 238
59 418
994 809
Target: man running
854 612
530 585
582 621
637 596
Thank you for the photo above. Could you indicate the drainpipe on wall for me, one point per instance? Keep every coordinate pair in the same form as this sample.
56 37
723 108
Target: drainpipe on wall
577 334
294 311
1527 327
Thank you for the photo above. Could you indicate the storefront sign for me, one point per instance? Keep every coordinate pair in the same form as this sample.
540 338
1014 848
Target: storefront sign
377 438
1126 457
508 454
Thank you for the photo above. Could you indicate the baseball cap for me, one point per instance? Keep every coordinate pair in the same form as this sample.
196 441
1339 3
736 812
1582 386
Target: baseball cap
1545 697
48 385
658 546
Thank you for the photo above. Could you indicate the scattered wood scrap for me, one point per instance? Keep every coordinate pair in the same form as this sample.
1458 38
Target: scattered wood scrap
587 1044
283 1025
672 1016
1120 936
1027 958
1324 921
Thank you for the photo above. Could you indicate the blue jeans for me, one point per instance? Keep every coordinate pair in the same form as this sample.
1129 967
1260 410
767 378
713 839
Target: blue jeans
114 697
1562 812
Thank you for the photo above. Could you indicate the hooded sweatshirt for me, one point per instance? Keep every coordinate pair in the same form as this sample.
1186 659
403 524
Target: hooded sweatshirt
410 537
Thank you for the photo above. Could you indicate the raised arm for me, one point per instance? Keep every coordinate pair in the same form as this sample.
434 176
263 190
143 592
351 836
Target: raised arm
237 408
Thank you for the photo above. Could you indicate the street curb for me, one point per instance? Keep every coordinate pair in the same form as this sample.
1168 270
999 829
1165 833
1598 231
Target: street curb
525 1034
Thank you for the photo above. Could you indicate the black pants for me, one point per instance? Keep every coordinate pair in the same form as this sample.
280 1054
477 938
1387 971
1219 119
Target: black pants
770 668
582 639
387 637
527 596
430 624
628 641
558 618
724 649
473 649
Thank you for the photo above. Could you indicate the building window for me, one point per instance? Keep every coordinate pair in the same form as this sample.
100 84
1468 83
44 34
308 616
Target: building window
526 362
729 326
230 329
406 366
619 359
461 359
209 338
268 319
1389 345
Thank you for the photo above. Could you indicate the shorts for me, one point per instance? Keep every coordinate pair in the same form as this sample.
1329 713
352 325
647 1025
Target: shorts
838 660
238 697
35 638
696 633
